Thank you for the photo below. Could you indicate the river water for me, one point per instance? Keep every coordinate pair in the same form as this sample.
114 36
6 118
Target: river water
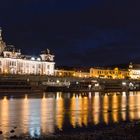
49 113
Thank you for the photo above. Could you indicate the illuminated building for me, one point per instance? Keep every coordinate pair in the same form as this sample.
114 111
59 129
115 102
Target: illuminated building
134 71
108 73
71 73
13 62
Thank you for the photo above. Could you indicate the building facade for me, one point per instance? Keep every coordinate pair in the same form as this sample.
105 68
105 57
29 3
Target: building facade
134 71
12 61
115 73
71 73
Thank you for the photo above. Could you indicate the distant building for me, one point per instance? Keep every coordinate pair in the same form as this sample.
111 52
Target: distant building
115 73
13 62
134 71
71 73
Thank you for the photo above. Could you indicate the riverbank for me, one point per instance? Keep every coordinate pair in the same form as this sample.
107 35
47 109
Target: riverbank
69 84
121 131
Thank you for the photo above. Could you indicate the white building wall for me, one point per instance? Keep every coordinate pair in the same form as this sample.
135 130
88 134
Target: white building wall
21 66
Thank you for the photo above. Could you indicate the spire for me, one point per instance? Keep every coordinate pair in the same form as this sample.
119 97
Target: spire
2 44
131 65
0 34
48 51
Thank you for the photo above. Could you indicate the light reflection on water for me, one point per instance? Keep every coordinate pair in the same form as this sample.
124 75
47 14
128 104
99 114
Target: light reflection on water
53 112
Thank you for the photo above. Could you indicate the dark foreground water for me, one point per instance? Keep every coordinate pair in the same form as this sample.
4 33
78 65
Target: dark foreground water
49 113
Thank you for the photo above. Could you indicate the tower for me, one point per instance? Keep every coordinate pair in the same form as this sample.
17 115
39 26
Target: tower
2 44
0 34
46 56
130 65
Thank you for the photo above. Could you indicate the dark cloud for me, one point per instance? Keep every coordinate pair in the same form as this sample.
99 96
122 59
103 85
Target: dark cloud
99 32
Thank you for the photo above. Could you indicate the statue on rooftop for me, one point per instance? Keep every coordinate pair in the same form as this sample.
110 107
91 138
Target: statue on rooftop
48 51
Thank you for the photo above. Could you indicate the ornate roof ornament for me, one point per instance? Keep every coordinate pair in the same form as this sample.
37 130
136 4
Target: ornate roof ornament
48 51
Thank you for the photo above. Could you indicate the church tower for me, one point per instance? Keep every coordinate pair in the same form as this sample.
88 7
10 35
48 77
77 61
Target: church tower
0 34
2 44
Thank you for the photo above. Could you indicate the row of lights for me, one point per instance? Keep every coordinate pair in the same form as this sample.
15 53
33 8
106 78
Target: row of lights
60 74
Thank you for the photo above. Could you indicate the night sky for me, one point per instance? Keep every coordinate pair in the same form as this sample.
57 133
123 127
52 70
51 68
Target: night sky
78 32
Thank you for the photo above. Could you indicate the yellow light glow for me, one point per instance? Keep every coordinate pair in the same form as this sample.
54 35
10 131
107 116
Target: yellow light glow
96 108
132 104
60 74
43 114
115 107
105 108
85 110
26 97
5 71
72 108
59 111
123 105
4 116
44 96
138 104
47 115
5 98
25 113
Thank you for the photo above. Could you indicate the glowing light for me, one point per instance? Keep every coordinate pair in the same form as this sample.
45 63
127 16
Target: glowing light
77 111
47 115
131 85
59 112
25 112
5 98
115 107
123 106
138 104
96 94
5 71
124 83
47 120
85 110
105 108
4 116
60 74
26 97
38 59
89 86
96 108
72 107
123 93
132 104
97 84
32 58
44 96
89 95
